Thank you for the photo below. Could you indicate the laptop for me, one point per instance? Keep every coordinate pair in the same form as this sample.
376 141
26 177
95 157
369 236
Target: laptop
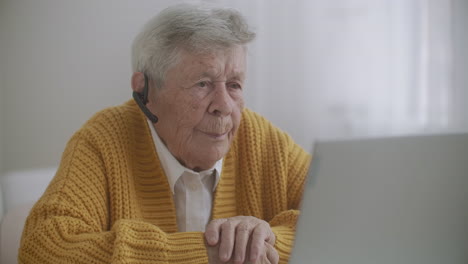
400 200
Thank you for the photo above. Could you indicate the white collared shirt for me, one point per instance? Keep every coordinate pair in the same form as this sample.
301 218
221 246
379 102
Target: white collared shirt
192 191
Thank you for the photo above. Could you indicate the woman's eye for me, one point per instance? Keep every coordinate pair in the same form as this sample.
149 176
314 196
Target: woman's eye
202 84
234 86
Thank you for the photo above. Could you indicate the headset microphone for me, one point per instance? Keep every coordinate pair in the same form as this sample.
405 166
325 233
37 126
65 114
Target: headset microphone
142 100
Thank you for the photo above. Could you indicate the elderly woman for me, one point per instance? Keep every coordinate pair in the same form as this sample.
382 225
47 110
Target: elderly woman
181 174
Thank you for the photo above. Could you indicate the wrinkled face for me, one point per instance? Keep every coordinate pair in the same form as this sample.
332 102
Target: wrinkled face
199 108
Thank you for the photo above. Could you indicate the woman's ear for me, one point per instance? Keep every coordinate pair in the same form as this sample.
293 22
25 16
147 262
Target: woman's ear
138 82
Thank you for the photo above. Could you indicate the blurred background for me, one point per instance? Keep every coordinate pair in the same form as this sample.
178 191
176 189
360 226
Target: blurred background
319 69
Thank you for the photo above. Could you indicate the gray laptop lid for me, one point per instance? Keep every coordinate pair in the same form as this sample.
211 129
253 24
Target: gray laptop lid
386 201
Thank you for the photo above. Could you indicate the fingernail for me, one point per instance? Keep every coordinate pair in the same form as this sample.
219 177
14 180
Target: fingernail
225 258
253 257
211 240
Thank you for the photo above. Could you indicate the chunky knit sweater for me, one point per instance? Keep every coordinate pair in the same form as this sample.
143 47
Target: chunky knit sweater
110 201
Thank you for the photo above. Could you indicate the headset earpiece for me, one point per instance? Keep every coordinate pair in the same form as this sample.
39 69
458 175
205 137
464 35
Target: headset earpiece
142 99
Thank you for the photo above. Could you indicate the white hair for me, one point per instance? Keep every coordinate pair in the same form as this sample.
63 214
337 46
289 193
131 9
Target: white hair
186 27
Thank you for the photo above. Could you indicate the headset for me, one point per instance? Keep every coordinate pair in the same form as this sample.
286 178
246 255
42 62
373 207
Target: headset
142 100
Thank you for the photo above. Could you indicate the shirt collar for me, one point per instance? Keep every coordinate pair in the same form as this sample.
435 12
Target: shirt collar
172 168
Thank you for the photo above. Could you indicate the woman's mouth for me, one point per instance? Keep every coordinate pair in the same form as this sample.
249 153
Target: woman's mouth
216 135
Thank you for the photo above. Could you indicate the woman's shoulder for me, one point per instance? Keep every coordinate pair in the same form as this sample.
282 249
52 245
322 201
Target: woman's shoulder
114 121
256 127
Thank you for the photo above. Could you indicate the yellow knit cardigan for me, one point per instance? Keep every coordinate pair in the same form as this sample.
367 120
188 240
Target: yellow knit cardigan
110 201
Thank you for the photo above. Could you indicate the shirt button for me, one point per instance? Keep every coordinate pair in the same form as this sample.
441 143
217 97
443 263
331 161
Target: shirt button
193 187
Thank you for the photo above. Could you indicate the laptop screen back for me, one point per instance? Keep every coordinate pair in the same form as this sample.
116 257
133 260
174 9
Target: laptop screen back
386 201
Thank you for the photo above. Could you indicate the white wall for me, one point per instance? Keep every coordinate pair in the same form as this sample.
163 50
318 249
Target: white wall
64 60
460 22
2 83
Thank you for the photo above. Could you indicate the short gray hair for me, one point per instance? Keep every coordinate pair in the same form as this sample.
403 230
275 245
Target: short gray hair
186 27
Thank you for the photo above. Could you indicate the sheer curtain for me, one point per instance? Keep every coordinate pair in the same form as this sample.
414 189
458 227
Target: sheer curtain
351 68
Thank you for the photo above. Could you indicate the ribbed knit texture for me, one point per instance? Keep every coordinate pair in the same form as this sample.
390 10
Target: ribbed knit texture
110 201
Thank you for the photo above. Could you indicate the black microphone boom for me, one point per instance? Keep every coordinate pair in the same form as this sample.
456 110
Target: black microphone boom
142 100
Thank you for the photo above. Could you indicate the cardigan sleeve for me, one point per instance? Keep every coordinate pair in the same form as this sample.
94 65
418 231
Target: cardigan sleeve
71 222
283 224
272 173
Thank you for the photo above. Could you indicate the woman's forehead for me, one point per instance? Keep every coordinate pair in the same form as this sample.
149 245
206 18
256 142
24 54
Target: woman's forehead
230 65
